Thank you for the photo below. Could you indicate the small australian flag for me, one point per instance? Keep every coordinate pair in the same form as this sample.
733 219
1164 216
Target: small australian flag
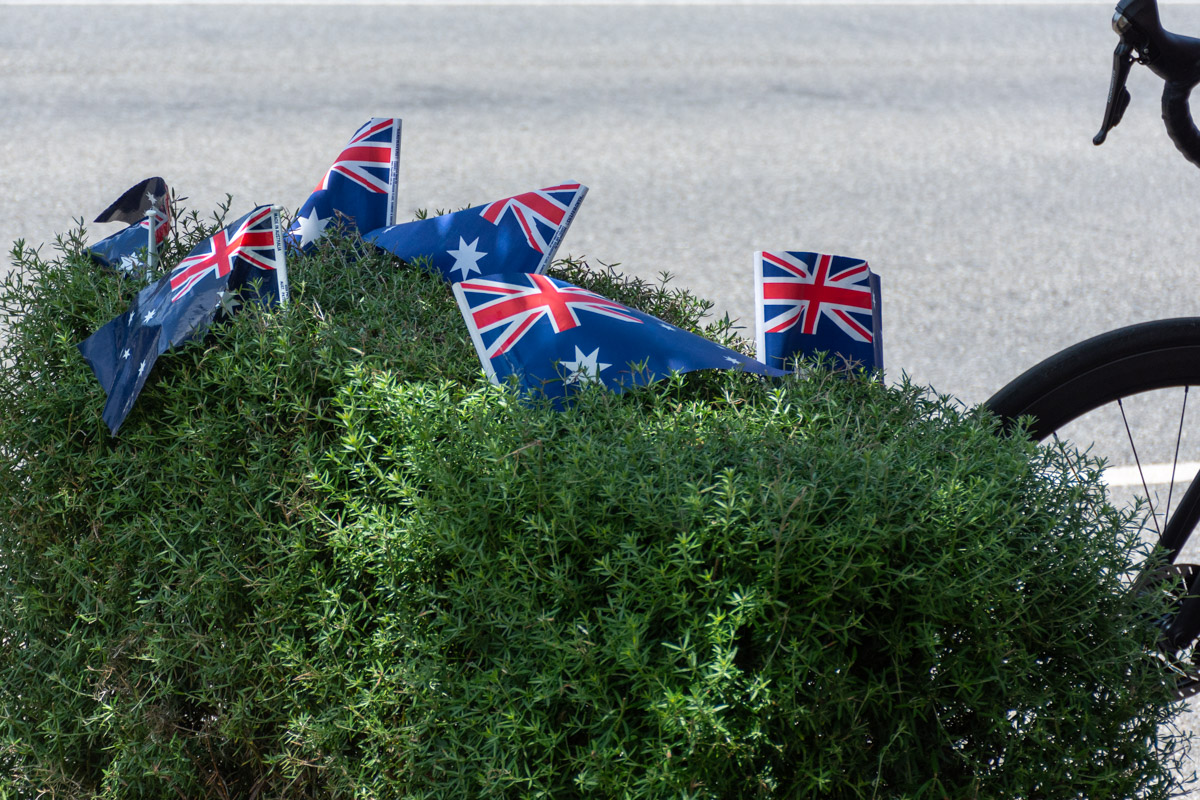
516 234
244 262
122 251
552 338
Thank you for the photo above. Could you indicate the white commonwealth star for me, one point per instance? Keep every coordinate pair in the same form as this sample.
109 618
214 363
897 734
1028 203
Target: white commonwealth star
311 228
130 264
584 368
149 316
466 257
227 302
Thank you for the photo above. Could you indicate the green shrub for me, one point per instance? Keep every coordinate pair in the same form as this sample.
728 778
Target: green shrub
325 559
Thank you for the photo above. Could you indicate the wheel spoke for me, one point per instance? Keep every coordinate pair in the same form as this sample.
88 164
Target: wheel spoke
1137 461
1175 457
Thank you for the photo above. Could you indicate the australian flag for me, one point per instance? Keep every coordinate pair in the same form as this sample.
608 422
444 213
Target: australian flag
554 337
123 250
516 234
243 262
811 302
359 190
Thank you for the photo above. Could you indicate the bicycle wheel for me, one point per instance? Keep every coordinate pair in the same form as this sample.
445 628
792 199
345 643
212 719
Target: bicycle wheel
1124 394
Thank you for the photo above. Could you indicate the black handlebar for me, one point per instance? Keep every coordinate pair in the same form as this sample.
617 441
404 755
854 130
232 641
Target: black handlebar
1174 58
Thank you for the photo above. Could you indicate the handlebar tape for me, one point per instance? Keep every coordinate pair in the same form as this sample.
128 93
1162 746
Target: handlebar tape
1177 116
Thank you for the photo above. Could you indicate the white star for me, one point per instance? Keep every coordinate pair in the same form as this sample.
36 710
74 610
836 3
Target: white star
125 356
733 360
149 316
311 228
130 264
228 302
584 368
142 367
466 257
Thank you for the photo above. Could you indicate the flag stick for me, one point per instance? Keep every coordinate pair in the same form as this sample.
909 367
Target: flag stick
280 258
152 244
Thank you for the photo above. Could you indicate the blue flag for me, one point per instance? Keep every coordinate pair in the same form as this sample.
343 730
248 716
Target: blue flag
243 262
124 249
555 337
811 302
359 191
517 234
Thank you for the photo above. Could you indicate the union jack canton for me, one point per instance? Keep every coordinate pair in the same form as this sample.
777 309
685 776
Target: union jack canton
248 246
812 302
551 338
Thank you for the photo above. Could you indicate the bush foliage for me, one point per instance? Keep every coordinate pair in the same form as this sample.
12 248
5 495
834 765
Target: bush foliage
324 558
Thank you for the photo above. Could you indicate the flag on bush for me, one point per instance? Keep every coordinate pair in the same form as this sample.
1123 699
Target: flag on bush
516 234
359 190
811 302
242 263
554 337
123 249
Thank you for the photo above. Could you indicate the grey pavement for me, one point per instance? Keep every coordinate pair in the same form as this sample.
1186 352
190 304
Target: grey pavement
948 145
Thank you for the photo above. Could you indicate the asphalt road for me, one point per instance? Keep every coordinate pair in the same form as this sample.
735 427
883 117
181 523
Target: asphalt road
950 146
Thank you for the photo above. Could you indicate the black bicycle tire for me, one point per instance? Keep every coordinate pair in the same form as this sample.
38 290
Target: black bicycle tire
1114 365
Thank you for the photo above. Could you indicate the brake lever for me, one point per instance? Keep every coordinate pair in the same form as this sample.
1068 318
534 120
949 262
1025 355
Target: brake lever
1118 95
